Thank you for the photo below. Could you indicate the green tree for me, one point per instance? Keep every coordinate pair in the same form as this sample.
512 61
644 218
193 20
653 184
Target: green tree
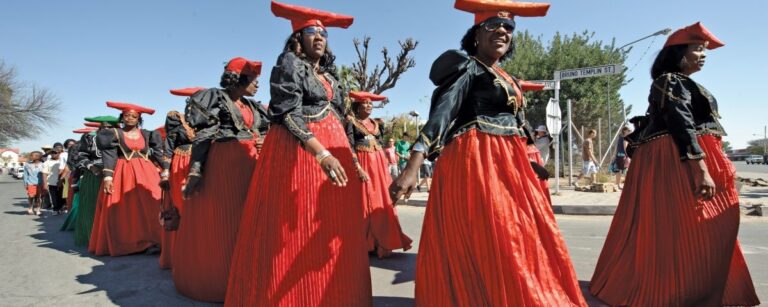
756 147
23 113
727 146
593 99
395 127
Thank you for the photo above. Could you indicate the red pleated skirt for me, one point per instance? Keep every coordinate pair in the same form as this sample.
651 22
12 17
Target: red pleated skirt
535 155
126 221
203 244
489 236
665 247
301 240
177 178
380 218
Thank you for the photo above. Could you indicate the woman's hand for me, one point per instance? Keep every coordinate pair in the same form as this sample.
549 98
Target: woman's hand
703 184
190 187
335 172
706 186
108 186
362 174
406 182
403 186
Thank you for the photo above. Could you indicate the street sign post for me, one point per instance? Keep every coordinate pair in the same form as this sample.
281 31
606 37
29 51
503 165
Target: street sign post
587 72
554 124
577 73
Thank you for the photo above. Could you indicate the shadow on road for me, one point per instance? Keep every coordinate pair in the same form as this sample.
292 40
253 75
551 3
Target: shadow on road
402 263
133 280
591 300
389 301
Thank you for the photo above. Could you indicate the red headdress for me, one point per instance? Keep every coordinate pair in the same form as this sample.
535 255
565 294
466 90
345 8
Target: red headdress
302 17
241 66
694 34
84 130
125 107
528 86
189 91
484 9
365 96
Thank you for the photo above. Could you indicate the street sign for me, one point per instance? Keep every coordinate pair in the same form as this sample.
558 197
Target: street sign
587 72
554 117
548 84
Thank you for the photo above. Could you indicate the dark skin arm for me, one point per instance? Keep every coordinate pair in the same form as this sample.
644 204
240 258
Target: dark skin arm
703 183
406 182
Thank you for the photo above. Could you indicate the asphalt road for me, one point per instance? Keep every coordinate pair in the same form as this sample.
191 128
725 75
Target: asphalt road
742 166
41 266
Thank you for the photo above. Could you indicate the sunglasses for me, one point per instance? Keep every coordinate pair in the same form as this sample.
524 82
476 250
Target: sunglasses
311 31
496 23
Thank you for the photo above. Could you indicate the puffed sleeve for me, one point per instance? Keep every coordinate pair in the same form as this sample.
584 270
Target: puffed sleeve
263 116
287 95
350 129
202 114
446 102
674 101
107 142
156 148
172 127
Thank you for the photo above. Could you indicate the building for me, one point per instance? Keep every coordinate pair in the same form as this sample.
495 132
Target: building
10 157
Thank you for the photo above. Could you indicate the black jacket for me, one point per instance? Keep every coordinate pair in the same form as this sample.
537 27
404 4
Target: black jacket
299 97
469 96
361 139
177 137
682 108
214 117
111 143
87 153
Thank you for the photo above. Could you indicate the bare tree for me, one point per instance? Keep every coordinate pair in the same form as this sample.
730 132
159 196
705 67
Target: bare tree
24 111
375 81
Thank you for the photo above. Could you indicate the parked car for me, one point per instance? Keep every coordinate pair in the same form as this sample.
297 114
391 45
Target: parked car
754 159
19 173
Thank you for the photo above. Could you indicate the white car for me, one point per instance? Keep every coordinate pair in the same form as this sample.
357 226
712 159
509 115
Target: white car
19 173
754 159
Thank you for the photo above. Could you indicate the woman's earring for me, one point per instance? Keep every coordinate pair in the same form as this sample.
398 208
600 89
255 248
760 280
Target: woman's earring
475 43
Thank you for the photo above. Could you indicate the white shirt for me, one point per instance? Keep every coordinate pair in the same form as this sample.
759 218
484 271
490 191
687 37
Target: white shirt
52 169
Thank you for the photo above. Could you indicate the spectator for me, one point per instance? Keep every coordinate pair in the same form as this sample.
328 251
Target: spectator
543 142
588 157
426 175
33 181
620 161
52 168
389 152
403 150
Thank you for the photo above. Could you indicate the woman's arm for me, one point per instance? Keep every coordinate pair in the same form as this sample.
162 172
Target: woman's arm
107 141
446 103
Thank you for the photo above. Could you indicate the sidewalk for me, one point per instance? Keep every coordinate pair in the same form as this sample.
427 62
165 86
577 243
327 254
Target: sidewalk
570 202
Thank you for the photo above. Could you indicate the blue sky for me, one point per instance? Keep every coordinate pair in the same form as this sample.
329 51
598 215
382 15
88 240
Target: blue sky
89 52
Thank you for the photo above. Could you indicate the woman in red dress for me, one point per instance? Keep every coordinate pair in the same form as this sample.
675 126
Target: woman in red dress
489 236
228 127
125 221
365 135
301 240
673 241
177 148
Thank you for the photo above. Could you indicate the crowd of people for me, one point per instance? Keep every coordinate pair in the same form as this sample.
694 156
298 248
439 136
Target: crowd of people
281 205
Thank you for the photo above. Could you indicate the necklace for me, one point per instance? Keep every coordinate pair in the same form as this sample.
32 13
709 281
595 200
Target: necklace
133 134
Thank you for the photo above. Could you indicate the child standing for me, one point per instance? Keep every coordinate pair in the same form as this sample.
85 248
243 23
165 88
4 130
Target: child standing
33 181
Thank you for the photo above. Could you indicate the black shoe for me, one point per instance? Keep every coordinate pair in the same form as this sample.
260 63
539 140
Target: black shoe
418 188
